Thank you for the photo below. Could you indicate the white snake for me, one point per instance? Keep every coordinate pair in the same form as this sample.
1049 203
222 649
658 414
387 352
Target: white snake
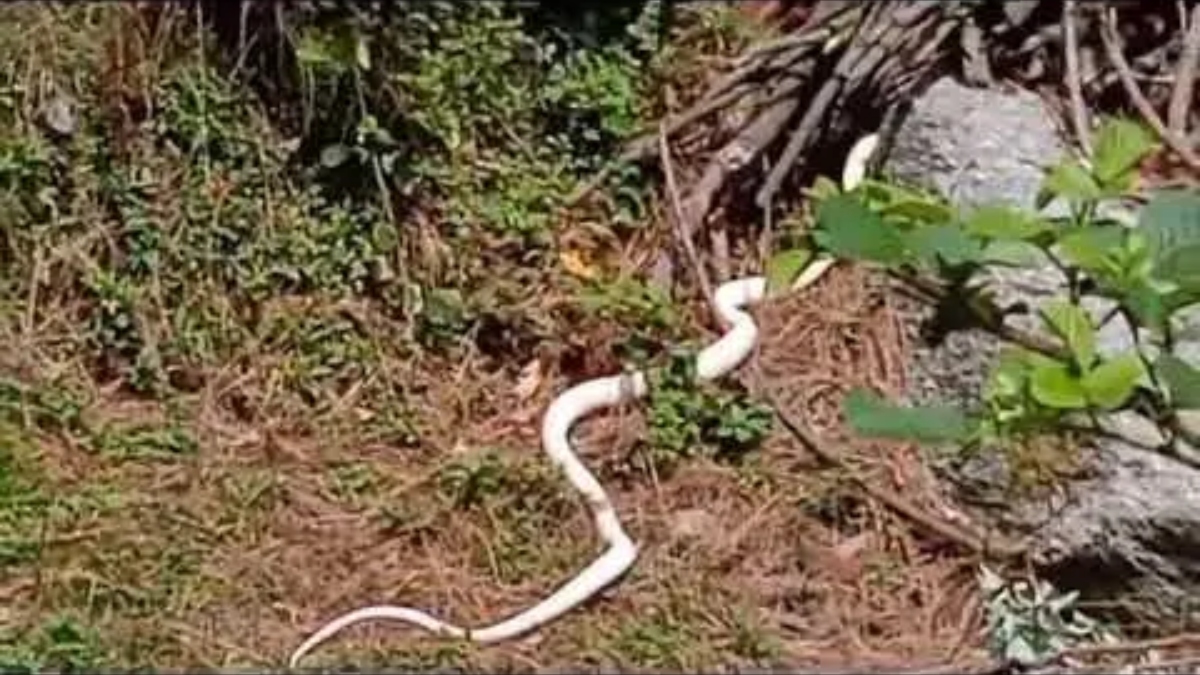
577 402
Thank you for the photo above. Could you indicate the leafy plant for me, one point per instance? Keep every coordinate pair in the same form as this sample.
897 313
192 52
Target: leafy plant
61 644
469 483
1029 622
689 420
1147 273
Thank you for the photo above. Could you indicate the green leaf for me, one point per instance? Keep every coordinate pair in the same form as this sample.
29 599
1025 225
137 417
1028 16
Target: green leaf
1013 254
1150 307
823 188
312 51
1088 247
1068 180
848 229
1119 146
1004 222
785 267
1170 220
870 415
945 242
1055 386
1181 266
925 211
1183 381
1073 324
1110 384
1009 374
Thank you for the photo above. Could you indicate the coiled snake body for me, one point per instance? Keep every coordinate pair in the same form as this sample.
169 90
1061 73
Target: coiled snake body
716 360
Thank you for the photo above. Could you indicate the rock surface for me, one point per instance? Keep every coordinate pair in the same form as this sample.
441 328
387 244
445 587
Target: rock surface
1130 532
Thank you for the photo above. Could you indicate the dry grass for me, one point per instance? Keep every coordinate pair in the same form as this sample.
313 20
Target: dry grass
228 557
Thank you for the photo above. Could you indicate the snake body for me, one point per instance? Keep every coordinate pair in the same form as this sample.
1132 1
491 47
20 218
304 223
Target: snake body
716 360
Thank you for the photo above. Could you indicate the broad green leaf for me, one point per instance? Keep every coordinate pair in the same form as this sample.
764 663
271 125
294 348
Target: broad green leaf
1068 180
1181 266
945 242
926 211
870 415
1055 386
1013 254
1170 220
1119 146
1110 384
1004 222
1150 307
1088 247
1183 381
785 266
848 229
1009 374
1073 324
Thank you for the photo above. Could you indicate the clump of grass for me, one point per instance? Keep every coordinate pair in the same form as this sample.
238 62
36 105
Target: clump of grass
688 419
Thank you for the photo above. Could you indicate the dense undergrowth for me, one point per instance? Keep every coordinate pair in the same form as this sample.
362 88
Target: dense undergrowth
179 243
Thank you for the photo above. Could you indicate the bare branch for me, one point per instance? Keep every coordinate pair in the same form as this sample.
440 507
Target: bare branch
1079 116
1112 47
1185 77
682 231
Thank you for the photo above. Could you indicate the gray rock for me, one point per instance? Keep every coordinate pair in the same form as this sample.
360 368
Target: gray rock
1131 534
1128 532
976 146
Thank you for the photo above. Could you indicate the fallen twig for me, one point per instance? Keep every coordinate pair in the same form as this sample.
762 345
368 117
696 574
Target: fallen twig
1112 47
1181 94
746 147
1079 117
992 321
1170 642
682 231
981 545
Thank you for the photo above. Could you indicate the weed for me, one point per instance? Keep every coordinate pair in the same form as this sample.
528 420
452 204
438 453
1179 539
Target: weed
751 641
466 484
1029 623
657 640
326 355
442 317
137 442
22 504
354 480
62 644
48 409
688 420
630 301
1147 273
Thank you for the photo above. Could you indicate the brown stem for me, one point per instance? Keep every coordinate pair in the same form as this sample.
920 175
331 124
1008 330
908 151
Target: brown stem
1185 78
979 544
1112 47
1079 117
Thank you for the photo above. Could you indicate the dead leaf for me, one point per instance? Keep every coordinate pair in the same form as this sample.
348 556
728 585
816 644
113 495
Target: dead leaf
847 557
577 264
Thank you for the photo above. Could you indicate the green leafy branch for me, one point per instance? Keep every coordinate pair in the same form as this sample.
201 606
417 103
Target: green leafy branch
1148 273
